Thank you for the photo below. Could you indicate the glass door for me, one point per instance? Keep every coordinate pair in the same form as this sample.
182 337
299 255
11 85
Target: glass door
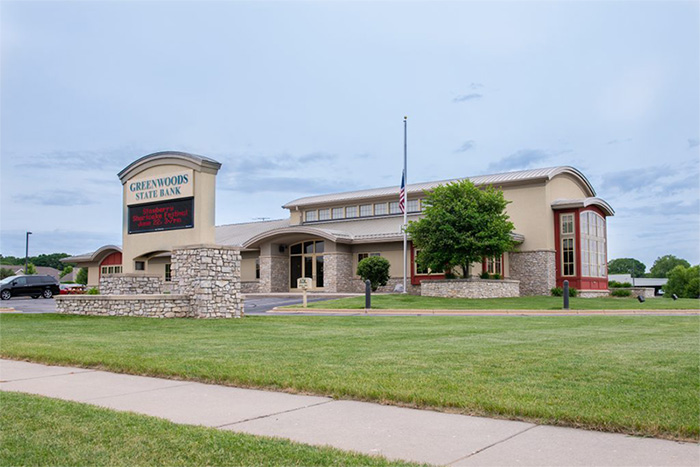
306 260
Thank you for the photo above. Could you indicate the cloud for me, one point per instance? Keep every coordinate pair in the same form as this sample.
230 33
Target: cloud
72 242
619 141
693 143
114 159
466 146
476 86
523 159
656 180
467 97
55 198
292 185
255 164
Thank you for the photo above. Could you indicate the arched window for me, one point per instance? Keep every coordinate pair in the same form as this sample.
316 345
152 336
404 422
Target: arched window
593 249
306 260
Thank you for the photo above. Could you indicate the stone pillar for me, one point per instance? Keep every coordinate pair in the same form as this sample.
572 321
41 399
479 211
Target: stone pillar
211 275
274 274
337 272
536 271
130 284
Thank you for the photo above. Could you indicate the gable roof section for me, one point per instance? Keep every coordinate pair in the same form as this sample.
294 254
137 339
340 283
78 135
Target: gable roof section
193 161
502 179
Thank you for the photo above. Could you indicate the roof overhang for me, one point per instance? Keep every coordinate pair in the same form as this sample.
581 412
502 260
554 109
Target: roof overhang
333 236
96 256
191 161
559 204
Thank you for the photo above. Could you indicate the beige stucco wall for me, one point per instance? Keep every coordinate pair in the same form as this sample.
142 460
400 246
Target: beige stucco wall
392 251
135 245
248 259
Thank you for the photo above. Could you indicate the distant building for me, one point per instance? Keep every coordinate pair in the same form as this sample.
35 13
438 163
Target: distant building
560 230
656 283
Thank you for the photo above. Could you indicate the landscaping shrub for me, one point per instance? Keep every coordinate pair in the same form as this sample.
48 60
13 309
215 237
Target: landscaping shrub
559 292
93 291
496 276
375 269
621 293
616 284
484 275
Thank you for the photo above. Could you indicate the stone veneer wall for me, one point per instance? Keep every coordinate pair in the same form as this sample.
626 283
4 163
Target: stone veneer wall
470 288
250 286
130 284
211 274
274 274
536 271
337 272
153 306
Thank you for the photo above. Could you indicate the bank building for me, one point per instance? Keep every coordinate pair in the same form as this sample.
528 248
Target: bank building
168 202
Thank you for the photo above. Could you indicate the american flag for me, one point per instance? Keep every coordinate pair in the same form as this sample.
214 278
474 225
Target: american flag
402 194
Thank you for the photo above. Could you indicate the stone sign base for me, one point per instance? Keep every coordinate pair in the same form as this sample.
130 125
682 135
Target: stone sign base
471 288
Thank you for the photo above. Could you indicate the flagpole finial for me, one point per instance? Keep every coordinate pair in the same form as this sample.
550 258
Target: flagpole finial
405 117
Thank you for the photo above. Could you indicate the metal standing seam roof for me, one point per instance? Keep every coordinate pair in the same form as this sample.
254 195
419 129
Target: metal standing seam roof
494 179
238 234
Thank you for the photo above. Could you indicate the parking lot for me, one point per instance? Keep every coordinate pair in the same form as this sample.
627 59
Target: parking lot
253 306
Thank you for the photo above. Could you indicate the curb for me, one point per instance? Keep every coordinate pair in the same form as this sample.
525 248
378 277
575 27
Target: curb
483 312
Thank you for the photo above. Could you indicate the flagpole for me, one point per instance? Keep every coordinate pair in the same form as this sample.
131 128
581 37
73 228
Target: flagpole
405 210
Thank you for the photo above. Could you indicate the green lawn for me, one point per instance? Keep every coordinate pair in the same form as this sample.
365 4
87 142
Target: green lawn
398 301
47 432
633 374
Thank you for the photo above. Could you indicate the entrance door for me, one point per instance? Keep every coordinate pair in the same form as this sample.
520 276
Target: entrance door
306 260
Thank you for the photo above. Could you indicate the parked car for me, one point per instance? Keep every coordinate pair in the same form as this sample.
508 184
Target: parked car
71 289
34 286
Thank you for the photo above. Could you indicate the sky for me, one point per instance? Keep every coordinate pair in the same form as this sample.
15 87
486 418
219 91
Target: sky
304 98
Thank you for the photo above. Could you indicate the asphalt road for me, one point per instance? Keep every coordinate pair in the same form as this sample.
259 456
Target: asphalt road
253 306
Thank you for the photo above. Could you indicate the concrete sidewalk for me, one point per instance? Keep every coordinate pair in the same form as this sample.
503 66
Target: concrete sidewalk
394 432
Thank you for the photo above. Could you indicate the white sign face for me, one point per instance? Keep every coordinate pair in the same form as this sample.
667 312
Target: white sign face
160 187
304 283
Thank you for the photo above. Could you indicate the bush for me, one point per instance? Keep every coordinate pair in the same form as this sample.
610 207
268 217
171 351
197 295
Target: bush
684 282
496 276
621 293
484 275
615 284
450 275
559 292
375 269
93 291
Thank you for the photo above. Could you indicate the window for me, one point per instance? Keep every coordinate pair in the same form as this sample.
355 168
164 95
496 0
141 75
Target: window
494 265
139 266
351 211
324 214
310 216
168 273
111 269
593 255
380 208
361 256
257 268
365 210
423 271
394 208
306 260
337 213
566 228
413 205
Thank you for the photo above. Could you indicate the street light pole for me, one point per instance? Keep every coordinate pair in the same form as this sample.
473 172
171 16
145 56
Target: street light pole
26 253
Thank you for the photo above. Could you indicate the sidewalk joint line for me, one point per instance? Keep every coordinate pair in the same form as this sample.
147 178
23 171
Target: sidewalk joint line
492 445
276 413
186 383
48 376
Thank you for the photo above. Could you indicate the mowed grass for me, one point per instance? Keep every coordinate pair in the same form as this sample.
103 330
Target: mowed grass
47 432
632 374
413 302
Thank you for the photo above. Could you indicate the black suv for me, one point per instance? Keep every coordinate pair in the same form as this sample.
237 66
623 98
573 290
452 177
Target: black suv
32 286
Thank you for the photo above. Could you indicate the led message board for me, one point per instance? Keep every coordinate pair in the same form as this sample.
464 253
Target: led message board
163 215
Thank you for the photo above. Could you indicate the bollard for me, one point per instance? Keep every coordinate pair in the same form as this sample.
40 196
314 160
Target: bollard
368 295
566 295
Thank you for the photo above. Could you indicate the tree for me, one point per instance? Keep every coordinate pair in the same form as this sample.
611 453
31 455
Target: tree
82 276
663 265
375 269
67 270
31 269
462 225
4 272
53 260
684 282
627 266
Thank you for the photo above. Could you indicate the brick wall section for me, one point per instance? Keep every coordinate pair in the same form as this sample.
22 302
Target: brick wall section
274 274
470 288
337 272
211 275
130 284
152 306
536 271
250 286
